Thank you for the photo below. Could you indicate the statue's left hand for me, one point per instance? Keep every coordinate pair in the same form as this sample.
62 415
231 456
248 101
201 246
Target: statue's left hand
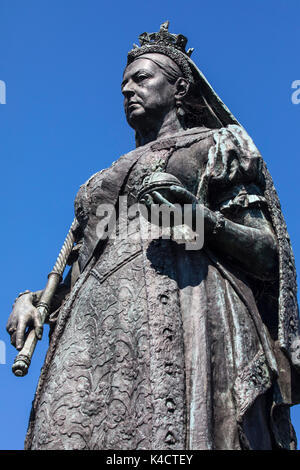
175 198
175 193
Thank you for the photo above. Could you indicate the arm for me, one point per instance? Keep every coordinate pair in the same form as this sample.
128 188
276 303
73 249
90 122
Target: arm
250 240
252 243
25 313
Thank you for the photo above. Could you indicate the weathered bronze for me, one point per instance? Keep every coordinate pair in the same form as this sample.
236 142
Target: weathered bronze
153 345
23 359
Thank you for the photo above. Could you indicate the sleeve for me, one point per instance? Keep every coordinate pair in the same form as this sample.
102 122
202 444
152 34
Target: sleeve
235 180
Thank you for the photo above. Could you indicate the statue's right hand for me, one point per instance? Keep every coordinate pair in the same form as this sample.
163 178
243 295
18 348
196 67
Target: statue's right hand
24 315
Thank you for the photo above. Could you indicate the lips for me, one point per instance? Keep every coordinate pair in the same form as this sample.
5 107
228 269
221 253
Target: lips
131 107
132 103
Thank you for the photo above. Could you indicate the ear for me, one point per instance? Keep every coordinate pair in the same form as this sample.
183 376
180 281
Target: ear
181 88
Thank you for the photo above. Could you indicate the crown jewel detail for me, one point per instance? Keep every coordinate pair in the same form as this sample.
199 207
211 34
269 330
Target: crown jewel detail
163 37
163 42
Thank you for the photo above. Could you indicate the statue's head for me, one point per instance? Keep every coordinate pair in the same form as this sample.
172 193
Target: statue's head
152 86
160 76
157 80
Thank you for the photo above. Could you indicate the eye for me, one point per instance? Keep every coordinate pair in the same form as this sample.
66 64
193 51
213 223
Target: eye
140 77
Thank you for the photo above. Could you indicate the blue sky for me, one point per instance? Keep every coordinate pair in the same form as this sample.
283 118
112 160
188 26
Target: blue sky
62 63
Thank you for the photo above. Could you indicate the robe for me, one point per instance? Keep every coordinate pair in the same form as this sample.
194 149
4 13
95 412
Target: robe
158 346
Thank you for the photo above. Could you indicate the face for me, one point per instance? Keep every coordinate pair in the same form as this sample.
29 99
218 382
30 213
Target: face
148 95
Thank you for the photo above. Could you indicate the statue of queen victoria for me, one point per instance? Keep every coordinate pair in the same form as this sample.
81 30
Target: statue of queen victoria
153 345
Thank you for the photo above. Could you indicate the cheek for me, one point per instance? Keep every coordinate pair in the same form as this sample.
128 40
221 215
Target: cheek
159 94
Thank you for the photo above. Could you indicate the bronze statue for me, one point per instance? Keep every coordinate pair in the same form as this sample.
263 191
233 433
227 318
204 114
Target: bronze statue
155 346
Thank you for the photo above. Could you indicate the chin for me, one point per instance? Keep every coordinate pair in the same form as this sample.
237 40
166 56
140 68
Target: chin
135 118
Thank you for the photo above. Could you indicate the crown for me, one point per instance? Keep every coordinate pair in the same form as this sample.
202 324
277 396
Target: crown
163 42
163 37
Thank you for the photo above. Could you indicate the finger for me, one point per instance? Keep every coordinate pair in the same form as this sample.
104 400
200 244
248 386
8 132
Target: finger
10 328
13 339
183 195
159 199
148 200
20 333
11 331
38 324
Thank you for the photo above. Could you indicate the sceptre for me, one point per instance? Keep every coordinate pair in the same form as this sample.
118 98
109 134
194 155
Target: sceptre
23 359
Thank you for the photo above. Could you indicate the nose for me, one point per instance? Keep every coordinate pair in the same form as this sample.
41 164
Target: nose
128 89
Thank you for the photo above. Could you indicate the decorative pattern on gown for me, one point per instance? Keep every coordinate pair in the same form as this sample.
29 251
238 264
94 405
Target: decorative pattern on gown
158 347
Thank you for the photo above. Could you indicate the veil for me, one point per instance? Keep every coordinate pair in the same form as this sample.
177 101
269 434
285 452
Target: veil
288 315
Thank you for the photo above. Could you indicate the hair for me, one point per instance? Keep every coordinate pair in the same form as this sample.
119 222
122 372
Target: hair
169 69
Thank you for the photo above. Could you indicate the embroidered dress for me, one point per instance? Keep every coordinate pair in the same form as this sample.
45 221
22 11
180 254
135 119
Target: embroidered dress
157 346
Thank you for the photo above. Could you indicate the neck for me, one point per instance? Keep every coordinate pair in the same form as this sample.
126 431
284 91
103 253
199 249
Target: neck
167 126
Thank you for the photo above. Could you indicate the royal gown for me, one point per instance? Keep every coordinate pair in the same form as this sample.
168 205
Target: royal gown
158 346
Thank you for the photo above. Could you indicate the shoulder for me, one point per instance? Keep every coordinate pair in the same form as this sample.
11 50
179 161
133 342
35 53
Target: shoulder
84 188
82 199
231 135
200 139
234 159
235 135
231 139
